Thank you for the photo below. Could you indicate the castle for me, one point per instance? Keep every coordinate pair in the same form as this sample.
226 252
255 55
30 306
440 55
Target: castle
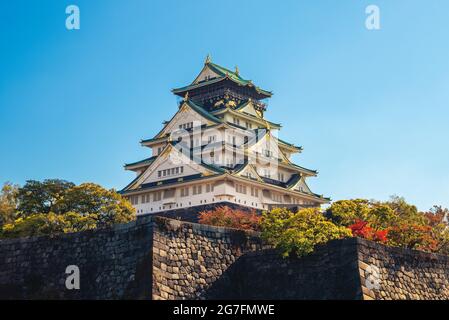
217 148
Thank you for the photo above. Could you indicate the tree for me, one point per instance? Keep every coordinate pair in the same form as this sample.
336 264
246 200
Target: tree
56 206
298 233
346 212
437 218
362 229
8 203
404 211
49 224
225 216
91 199
40 197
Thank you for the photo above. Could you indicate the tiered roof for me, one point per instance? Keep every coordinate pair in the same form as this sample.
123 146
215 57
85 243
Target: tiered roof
215 119
222 74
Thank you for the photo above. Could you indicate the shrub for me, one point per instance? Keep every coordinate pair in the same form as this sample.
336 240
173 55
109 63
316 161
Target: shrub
298 233
394 222
363 230
225 216
49 224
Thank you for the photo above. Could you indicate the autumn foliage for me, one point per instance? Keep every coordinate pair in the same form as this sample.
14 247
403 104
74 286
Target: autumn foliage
362 229
394 223
225 216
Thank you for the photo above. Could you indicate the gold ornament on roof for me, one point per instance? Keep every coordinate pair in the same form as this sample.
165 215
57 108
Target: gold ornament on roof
219 103
186 97
231 103
236 70
208 59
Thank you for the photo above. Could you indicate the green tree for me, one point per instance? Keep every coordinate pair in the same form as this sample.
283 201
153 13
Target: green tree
406 213
56 206
88 198
40 197
346 212
298 233
49 224
8 203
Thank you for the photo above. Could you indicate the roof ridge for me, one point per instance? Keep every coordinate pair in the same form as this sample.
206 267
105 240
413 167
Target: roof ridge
226 70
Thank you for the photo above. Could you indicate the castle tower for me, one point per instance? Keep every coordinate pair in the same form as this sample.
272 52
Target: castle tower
218 148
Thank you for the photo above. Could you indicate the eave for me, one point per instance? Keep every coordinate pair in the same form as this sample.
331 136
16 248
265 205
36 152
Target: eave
248 116
314 197
263 94
140 164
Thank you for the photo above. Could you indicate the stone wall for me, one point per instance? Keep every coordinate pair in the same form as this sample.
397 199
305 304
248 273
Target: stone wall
331 272
395 273
188 258
192 261
161 258
113 263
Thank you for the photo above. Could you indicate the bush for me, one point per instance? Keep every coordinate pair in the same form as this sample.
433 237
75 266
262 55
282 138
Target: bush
225 216
363 230
394 222
49 224
298 233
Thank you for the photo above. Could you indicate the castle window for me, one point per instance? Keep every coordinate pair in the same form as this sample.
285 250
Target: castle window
276 197
267 153
209 187
185 192
240 188
157 196
134 200
170 172
197 189
254 192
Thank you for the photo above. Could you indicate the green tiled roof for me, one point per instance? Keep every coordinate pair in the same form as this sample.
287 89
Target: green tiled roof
302 168
243 105
223 74
153 140
142 162
289 144
203 112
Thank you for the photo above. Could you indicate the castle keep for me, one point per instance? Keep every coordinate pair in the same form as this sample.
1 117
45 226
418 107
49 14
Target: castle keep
217 148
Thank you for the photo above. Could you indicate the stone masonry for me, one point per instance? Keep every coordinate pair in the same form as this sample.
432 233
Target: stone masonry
162 258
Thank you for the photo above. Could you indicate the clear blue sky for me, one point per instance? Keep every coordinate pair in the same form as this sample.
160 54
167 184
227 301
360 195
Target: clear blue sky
370 108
